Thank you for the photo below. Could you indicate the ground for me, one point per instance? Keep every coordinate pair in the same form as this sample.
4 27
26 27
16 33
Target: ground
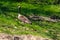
20 37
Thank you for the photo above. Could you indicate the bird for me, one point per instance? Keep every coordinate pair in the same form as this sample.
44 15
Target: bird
36 17
22 17
55 17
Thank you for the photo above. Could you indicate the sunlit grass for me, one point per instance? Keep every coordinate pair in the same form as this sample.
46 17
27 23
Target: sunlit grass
10 24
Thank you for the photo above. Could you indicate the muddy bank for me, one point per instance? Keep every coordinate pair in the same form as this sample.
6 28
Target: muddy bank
20 37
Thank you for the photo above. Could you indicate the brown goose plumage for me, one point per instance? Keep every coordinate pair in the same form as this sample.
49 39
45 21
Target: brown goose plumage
23 18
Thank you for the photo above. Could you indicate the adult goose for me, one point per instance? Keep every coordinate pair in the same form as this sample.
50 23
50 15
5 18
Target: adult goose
22 17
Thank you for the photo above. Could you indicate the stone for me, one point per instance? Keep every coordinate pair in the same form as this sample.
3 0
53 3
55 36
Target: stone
16 38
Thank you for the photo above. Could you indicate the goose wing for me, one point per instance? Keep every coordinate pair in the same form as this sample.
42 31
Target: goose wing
24 19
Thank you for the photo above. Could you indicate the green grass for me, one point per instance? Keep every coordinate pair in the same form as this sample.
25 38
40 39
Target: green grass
10 24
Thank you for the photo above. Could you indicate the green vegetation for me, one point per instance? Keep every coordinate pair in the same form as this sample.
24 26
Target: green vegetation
10 24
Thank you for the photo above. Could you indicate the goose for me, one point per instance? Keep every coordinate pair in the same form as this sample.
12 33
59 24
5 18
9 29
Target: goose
22 18
36 17
55 17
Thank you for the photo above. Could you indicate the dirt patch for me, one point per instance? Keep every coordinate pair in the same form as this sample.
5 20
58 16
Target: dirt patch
20 37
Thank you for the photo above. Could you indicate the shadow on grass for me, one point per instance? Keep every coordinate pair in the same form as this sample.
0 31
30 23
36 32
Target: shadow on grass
36 11
25 11
6 10
8 1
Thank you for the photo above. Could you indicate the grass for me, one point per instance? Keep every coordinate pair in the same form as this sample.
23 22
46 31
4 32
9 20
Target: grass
11 25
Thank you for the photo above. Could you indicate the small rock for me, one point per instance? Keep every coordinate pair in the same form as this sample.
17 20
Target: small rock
16 38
